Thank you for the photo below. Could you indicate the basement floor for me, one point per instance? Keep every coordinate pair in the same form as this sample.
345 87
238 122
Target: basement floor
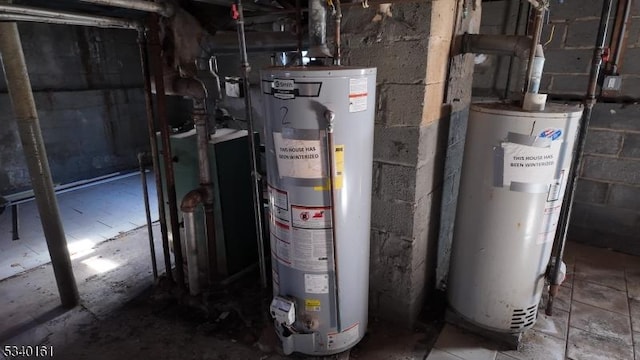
125 314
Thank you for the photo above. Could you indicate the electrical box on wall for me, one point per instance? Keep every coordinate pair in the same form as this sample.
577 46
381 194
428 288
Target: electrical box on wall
233 87
611 86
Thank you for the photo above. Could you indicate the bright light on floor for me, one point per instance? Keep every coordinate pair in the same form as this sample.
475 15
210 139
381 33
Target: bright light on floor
99 264
78 249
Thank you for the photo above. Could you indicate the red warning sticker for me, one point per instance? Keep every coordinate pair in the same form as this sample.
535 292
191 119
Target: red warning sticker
311 217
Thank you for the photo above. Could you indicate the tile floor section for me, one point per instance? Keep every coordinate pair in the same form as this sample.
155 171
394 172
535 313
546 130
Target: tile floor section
596 316
90 216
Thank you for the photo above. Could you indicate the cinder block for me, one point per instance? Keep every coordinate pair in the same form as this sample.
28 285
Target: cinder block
631 146
397 182
568 84
398 145
608 219
616 116
594 192
556 32
604 239
573 61
494 12
630 64
630 86
392 216
603 142
401 104
626 197
582 33
568 10
611 169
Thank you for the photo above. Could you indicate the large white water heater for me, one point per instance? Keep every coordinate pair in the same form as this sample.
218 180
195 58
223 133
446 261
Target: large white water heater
514 175
319 150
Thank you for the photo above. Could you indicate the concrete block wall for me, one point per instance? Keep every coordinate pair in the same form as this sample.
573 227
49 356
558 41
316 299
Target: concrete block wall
87 85
606 211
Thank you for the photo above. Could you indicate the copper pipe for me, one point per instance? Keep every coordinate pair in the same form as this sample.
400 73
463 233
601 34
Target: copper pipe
155 155
156 64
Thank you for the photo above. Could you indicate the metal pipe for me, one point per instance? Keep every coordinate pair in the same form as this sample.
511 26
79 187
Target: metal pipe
337 57
163 8
576 165
330 117
204 170
299 31
29 13
255 183
15 222
318 29
155 156
620 34
189 204
537 32
29 18
156 63
24 107
507 87
510 45
228 43
147 210
213 69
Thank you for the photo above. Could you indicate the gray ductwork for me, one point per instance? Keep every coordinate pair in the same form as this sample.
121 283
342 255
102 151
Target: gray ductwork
509 45
318 29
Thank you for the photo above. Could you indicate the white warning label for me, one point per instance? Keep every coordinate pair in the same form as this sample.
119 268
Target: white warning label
316 284
279 203
549 224
345 338
282 251
311 249
529 164
298 158
311 217
280 229
358 94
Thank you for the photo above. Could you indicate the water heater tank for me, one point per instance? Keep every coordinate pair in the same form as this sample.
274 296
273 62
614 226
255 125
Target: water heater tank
513 180
319 126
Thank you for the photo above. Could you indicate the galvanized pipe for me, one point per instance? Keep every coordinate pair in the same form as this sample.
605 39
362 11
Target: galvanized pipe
620 34
255 183
228 43
17 78
537 32
162 7
190 203
206 185
156 63
510 45
567 205
337 56
28 13
155 155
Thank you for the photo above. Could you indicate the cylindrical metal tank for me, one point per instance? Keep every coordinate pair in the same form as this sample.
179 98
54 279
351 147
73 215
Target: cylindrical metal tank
513 179
317 119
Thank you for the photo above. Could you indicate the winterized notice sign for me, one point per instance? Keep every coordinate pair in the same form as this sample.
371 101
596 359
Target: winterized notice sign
298 158
529 164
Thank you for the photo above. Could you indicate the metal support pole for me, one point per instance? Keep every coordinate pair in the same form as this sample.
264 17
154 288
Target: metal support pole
155 156
255 184
147 210
156 63
24 107
15 222
576 165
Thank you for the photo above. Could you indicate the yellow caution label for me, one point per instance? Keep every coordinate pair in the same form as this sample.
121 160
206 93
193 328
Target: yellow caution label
312 305
338 168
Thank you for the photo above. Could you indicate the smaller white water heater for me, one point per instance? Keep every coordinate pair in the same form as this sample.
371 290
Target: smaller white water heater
513 180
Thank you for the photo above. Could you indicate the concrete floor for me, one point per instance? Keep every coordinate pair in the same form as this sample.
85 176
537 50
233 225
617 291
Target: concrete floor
90 216
124 314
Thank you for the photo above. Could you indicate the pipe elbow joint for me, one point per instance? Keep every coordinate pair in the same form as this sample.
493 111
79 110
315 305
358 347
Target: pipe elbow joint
191 201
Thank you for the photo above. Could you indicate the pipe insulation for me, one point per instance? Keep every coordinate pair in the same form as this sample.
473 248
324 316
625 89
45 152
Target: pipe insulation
24 107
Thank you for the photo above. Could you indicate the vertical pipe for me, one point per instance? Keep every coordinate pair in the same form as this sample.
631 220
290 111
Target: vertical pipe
15 222
24 107
202 134
330 117
299 30
537 32
507 87
574 172
193 268
620 34
318 29
147 210
338 51
155 156
255 183
156 63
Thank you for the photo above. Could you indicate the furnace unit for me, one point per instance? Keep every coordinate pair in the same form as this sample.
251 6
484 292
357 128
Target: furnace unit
319 149
513 180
